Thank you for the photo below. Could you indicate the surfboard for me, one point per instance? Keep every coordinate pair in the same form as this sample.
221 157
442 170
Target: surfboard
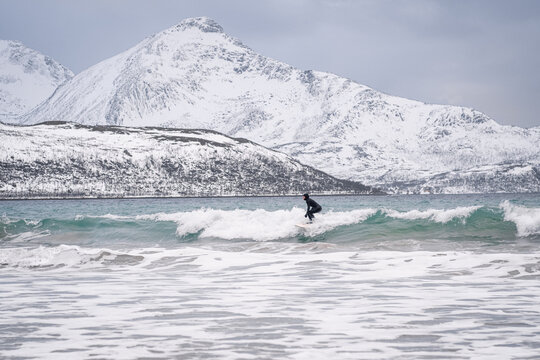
303 226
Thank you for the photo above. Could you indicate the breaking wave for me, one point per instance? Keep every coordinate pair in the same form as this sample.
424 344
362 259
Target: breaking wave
436 215
63 255
258 225
527 220
506 220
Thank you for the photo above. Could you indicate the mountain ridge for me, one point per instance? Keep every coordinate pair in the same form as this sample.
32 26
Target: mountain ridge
27 77
194 75
66 160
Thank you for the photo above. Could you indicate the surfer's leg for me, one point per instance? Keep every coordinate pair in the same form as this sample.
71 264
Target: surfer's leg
310 215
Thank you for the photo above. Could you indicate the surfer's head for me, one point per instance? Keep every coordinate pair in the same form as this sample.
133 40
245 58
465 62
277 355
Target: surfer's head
306 196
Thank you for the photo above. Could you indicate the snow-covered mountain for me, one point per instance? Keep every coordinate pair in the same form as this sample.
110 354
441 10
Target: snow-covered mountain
27 77
193 75
66 160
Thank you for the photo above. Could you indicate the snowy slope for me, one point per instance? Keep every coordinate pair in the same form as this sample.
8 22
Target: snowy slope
193 75
27 78
66 159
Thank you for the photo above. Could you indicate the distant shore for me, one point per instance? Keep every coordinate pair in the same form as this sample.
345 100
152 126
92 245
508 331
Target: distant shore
229 196
180 196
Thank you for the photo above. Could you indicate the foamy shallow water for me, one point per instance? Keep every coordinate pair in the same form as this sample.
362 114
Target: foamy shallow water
280 301
69 292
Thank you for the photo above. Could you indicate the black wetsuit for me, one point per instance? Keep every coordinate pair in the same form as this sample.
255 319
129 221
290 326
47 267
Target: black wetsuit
312 208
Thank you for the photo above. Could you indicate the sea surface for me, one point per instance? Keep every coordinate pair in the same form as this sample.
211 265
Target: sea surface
374 277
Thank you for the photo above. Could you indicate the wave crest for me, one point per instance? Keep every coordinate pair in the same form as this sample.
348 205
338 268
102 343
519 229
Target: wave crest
258 225
265 225
437 215
62 255
527 220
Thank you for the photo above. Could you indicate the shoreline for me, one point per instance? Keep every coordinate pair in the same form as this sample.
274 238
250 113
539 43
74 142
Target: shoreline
176 196
234 196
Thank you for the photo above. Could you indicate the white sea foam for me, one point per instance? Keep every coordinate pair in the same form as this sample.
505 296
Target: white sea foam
80 217
259 225
284 304
437 215
332 220
28 236
29 222
5 219
41 256
248 255
263 225
62 256
527 219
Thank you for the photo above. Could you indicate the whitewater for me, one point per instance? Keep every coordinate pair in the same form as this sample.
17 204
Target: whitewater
375 277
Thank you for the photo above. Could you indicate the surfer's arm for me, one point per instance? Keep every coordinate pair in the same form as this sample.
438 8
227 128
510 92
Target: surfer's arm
307 210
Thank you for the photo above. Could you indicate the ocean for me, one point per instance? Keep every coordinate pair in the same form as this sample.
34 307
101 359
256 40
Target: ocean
374 277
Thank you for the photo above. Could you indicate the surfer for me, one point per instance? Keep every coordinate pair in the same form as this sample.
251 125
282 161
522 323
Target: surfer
312 207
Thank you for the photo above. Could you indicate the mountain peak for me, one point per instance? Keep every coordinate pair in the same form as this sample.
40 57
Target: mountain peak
10 47
204 24
193 75
9 43
27 77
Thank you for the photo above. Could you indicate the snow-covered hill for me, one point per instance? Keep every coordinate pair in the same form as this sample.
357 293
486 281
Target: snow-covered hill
193 75
27 78
67 160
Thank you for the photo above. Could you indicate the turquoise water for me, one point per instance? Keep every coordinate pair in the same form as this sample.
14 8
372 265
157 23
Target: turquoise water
469 221
374 277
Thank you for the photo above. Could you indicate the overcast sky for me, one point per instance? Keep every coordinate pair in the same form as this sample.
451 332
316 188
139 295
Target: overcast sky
483 54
